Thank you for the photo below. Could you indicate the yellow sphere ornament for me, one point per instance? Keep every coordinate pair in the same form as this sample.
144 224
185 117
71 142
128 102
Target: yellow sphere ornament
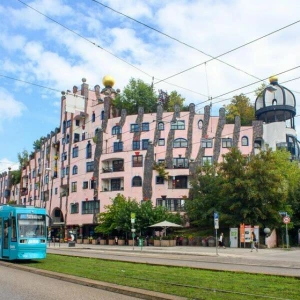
273 79
108 81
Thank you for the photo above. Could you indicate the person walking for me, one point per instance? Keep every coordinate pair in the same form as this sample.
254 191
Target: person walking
253 242
221 244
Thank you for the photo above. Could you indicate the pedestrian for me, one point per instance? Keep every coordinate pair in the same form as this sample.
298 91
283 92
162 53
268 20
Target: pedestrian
116 240
253 242
221 244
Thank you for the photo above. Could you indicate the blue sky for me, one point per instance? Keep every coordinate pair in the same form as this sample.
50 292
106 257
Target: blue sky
38 50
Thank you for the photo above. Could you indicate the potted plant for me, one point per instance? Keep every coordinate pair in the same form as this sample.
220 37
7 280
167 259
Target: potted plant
157 241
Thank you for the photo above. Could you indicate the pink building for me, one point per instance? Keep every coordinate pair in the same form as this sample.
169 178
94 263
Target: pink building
100 152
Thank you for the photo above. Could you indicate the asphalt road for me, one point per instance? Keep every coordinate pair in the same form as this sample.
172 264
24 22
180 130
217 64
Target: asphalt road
21 285
265 261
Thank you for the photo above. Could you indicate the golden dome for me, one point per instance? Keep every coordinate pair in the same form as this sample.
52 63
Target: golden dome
273 79
108 81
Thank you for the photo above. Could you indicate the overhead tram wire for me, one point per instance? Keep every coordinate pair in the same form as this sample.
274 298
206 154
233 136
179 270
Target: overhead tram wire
109 52
232 50
175 39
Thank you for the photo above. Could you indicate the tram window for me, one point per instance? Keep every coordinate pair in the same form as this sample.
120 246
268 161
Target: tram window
13 230
0 227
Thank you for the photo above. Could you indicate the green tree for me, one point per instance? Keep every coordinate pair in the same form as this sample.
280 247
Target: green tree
136 94
15 177
23 158
37 144
240 106
173 99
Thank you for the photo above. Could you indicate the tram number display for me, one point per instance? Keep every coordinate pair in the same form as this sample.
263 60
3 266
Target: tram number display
31 217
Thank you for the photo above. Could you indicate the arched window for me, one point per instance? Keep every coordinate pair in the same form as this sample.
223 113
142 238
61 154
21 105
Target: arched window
75 170
102 115
137 181
245 141
180 143
200 124
161 126
116 130
89 150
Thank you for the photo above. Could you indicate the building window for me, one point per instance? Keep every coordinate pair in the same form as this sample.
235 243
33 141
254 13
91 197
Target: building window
67 170
161 126
206 143
118 146
178 125
227 143
64 156
118 165
85 185
102 115
75 152
257 144
76 137
178 182
116 130
200 124
137 181
46 179
245 141
161 142
90 166
145 144
68 123
55 191
74 187
90 207
67 139
207 160
115 184
136 145
77 122
180 163
159 180
64 127
180 143
274 102
134 128
89 150
33 174
75 170
137 160
92 184
171 204
93 117
145 126
74 208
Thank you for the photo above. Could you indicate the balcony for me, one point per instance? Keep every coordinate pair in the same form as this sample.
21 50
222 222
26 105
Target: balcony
24 192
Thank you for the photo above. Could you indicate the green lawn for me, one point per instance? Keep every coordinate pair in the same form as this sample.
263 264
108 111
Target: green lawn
181 281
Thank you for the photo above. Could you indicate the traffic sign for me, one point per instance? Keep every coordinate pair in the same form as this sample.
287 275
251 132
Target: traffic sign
286 220
216 223
216 215
132 215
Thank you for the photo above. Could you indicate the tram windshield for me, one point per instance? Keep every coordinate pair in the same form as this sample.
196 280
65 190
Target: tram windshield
31 225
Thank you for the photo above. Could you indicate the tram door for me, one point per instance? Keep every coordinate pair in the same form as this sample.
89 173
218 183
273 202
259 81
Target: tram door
5 233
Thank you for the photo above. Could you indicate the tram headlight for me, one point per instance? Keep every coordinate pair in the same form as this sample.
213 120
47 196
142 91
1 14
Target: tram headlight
23 241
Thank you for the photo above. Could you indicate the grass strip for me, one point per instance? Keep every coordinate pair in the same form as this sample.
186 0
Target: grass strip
180 281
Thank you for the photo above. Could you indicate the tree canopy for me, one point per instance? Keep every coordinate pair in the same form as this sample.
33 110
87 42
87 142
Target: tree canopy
136 94
117 217
240 106
250 190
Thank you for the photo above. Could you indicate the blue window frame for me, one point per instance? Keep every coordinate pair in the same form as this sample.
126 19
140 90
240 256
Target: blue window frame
93 117
137 181
102 115
134 128
89 150
118 146
116 130
68 123
180 143
75 152
178 125
145 144
90 166
145 126
136 145
75 170
161 126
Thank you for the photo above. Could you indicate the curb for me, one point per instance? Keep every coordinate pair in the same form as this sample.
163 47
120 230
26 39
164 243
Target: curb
111 287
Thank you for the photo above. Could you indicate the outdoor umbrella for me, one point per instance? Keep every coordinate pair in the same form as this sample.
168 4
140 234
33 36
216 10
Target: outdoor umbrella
165 225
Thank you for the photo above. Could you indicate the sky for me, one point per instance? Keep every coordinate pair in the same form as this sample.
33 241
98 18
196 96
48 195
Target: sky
83 39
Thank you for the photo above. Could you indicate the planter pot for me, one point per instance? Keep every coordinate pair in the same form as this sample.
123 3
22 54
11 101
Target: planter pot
121 242
130 243
94 242
157 243
86 241
79 241
102 242
111 242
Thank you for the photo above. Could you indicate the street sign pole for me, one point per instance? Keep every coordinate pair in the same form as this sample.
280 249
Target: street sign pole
216 223
132 215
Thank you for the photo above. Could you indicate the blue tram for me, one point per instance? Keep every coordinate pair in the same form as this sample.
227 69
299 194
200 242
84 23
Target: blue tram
23 232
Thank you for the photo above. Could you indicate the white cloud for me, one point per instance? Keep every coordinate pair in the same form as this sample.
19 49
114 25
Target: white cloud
10 107
6 163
